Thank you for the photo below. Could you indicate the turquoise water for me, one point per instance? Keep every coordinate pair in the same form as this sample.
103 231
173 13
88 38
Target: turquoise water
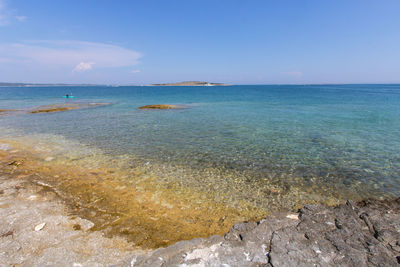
309 141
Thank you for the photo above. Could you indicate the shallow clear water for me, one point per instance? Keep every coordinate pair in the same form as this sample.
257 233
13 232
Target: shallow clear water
303 141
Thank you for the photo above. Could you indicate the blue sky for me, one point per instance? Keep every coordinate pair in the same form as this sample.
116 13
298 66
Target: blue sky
239 42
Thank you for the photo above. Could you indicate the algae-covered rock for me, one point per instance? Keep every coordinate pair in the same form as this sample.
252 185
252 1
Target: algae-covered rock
55 109
64 107
160 106
8 111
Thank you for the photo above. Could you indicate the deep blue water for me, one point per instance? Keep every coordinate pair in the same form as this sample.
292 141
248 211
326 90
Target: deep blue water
338 137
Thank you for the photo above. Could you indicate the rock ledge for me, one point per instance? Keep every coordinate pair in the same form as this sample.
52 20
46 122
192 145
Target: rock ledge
351 234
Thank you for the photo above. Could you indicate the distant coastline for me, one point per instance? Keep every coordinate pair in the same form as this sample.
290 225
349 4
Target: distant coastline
186 83
189 83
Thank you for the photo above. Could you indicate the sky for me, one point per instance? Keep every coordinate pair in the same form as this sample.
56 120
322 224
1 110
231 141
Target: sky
236 42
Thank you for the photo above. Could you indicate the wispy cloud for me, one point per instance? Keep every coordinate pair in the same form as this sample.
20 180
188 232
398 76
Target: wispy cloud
7 15
135 71
68 55
21 18
3 13
83 66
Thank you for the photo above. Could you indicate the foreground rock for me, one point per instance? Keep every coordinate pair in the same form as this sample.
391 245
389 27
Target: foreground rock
36 229
363 234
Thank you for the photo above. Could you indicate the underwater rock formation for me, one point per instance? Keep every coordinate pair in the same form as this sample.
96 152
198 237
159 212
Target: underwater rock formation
65 107
160 106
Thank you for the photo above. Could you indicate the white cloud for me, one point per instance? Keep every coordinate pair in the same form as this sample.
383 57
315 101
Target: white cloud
67 55
83 66
135 71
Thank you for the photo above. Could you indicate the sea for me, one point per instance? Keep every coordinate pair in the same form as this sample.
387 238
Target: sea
272 147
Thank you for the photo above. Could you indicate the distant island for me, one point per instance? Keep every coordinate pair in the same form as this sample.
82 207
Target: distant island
190 83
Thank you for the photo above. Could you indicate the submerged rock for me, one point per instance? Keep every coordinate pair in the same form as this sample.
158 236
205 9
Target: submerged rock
65 107
8 111
160 106
55 109
52 108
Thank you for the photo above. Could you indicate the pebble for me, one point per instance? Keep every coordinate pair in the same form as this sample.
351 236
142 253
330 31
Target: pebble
48 159
120 187
292 216
39 227
32 197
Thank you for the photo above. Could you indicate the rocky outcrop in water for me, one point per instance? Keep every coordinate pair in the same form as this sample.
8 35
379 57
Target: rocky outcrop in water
65 107
8 111
52 108
362 234
160 106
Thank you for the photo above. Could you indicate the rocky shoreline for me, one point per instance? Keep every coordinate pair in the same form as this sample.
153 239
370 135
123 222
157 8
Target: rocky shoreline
362 234
352 234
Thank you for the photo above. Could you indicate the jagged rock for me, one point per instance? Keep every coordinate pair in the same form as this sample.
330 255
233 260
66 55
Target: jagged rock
351 234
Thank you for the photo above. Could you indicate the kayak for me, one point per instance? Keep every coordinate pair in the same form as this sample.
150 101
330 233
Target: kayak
70 96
